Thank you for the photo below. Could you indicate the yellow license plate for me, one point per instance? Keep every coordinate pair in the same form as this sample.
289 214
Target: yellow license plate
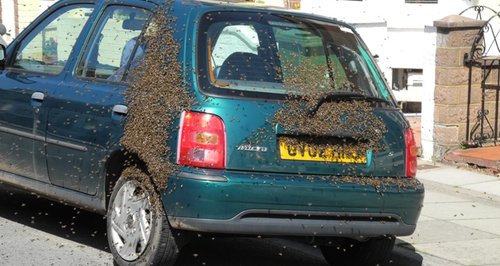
311 153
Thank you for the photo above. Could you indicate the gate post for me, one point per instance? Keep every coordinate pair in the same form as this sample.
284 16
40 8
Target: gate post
453 82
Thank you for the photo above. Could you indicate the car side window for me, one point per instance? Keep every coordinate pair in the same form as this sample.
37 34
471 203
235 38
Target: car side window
47 48
109 53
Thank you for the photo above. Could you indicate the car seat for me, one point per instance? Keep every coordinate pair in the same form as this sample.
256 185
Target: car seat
246 66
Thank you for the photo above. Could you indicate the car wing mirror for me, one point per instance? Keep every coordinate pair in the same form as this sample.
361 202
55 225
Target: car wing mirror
2 56
3 30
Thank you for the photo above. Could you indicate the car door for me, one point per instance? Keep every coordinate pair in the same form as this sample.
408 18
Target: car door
36 66
87 111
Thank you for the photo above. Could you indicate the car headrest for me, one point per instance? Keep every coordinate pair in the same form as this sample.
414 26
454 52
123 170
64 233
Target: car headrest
133 24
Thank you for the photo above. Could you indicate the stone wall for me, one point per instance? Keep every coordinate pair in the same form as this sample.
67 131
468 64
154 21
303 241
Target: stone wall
455 36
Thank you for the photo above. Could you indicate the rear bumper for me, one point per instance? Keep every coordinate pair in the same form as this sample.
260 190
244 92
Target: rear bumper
282 223
281 205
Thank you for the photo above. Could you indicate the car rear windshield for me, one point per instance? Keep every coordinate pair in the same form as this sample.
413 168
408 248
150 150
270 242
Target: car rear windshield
266 55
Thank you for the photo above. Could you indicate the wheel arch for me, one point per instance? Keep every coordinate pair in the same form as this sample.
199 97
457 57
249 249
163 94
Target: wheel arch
118 161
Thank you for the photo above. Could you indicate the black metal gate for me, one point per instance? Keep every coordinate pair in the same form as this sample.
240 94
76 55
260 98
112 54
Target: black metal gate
482 126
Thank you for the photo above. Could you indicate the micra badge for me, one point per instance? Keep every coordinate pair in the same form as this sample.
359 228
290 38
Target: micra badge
248 147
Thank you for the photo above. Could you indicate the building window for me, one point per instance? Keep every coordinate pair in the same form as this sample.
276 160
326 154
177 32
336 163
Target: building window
421 1
407 85
292 4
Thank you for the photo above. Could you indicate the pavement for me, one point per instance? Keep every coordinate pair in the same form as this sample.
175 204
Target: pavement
460 219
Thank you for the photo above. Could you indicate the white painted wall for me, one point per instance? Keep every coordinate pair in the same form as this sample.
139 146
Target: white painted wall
427 96
28 10
44 4
279 3
495 4
8 20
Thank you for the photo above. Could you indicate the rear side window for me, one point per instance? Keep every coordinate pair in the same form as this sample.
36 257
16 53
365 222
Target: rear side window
265 55
303 58
116 45
234 40
47 48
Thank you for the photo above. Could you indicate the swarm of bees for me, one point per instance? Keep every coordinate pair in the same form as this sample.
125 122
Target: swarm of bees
155 98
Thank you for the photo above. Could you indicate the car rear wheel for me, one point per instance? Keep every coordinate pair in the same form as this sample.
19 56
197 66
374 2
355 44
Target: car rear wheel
374 251
137 227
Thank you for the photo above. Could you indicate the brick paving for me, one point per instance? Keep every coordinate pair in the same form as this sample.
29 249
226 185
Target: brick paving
483 157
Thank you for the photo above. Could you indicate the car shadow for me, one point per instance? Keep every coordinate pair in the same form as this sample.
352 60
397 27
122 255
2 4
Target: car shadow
404 254
53 217
255 251
89 229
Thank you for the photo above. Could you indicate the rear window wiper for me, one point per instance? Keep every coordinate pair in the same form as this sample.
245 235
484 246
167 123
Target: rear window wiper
343 96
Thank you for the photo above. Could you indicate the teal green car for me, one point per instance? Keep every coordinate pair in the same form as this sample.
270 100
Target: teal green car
271 123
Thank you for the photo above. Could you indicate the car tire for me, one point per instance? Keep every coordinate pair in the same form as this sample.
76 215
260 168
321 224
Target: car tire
374 251
137 227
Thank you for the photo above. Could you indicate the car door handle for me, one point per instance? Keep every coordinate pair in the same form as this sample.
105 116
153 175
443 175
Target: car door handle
38 96
120 109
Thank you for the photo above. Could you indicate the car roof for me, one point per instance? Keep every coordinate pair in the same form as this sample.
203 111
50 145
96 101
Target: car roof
236 3
201 6
242 5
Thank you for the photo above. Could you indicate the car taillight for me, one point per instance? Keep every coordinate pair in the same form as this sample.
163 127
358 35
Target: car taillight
411 154
202 141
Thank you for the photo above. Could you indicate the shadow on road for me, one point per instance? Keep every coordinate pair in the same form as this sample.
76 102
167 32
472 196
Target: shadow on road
249 252
89 229
271 252
404 254
53 217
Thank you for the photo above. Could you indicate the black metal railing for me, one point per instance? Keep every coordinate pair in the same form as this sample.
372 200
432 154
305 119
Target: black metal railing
484 54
